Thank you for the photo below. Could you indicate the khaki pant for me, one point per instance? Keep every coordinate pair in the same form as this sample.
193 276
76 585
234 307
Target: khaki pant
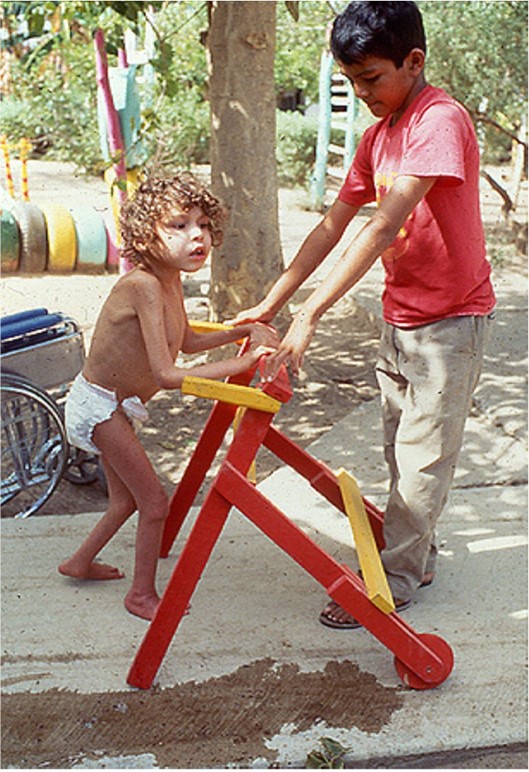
426 375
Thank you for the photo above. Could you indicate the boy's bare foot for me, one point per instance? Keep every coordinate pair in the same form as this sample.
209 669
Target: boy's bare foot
94 571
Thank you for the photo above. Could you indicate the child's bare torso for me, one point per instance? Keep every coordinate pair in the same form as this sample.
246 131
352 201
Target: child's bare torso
142 324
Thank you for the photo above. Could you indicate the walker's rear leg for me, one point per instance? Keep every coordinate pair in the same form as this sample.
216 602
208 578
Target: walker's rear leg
210 440
321 478
422 661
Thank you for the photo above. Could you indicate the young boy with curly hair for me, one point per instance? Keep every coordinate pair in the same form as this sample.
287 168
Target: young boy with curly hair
420 163
168 227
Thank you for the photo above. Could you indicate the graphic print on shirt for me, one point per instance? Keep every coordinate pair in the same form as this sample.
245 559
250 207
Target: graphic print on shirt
383 184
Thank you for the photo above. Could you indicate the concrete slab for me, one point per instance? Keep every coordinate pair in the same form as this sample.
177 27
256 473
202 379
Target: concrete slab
253 603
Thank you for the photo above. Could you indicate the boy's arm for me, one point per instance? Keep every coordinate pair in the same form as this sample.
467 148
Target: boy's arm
315 248
370 242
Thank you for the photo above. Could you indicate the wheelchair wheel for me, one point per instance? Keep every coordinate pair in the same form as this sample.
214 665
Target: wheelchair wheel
34 446
82 468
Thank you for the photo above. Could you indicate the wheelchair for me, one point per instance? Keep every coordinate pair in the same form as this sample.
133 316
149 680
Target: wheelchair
41 353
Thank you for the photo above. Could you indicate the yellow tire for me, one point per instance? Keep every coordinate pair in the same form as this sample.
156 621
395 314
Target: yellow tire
62 243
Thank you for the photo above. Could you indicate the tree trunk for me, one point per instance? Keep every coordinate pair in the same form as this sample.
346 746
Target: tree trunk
241 45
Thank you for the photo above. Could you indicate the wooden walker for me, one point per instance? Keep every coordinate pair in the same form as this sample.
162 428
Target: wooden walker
422 660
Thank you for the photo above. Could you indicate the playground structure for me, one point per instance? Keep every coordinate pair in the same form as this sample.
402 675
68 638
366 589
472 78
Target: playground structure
59 238
54 237
422 661
338 111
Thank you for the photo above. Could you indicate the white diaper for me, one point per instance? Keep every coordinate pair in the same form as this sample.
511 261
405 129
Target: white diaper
89 405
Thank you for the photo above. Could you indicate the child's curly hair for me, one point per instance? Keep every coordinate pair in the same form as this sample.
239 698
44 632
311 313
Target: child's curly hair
153 203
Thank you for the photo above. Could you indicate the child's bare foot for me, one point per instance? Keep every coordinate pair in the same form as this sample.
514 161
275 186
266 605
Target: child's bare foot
95 571
144 607
140 605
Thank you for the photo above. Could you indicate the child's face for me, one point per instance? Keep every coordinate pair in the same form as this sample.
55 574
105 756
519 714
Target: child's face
383 87
186 239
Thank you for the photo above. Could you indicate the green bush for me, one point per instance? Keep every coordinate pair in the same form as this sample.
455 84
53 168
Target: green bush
179 131
296 138
57 114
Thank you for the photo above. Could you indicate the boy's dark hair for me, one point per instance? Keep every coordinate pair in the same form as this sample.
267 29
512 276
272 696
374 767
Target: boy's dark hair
386 29
152 204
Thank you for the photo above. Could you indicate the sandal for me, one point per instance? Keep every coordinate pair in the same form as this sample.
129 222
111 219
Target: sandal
345 621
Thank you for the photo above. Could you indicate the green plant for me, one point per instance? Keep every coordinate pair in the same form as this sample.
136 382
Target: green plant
296 138
329 757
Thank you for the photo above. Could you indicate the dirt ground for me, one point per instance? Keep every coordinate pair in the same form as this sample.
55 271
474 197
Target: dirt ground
188 729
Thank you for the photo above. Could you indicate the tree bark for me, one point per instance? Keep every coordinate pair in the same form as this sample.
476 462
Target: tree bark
241 46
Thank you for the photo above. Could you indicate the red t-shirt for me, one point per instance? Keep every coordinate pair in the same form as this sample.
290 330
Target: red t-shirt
436 267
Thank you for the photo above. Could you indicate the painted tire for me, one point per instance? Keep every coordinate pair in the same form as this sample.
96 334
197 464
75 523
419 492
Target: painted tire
9 242
33 243
91 238
62 245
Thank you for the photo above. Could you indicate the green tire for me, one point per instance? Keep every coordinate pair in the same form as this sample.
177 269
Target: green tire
91 236
9 242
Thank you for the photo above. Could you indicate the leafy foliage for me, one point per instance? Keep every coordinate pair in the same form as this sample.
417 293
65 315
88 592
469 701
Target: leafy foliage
295 147
329 756
475 52
478 53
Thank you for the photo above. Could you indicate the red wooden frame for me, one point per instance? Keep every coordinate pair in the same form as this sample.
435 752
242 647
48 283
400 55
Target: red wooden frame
422 660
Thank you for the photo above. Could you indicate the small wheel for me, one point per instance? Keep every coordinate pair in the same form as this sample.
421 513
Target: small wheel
441 649
34 446
83 467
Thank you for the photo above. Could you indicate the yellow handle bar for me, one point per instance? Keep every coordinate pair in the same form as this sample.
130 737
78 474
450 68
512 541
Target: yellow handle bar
245 396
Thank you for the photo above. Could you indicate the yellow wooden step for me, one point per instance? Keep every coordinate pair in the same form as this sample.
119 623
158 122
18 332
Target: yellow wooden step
377 586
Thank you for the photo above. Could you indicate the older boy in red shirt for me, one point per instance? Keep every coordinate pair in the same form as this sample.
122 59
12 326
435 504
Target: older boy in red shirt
420 163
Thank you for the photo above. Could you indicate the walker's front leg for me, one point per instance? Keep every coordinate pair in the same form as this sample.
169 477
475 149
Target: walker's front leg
179 590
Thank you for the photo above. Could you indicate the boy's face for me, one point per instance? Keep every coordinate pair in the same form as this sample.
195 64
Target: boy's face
185 238
383 87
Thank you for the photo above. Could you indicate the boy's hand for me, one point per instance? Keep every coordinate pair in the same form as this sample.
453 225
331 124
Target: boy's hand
263 335
258 313
292 348
256 352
